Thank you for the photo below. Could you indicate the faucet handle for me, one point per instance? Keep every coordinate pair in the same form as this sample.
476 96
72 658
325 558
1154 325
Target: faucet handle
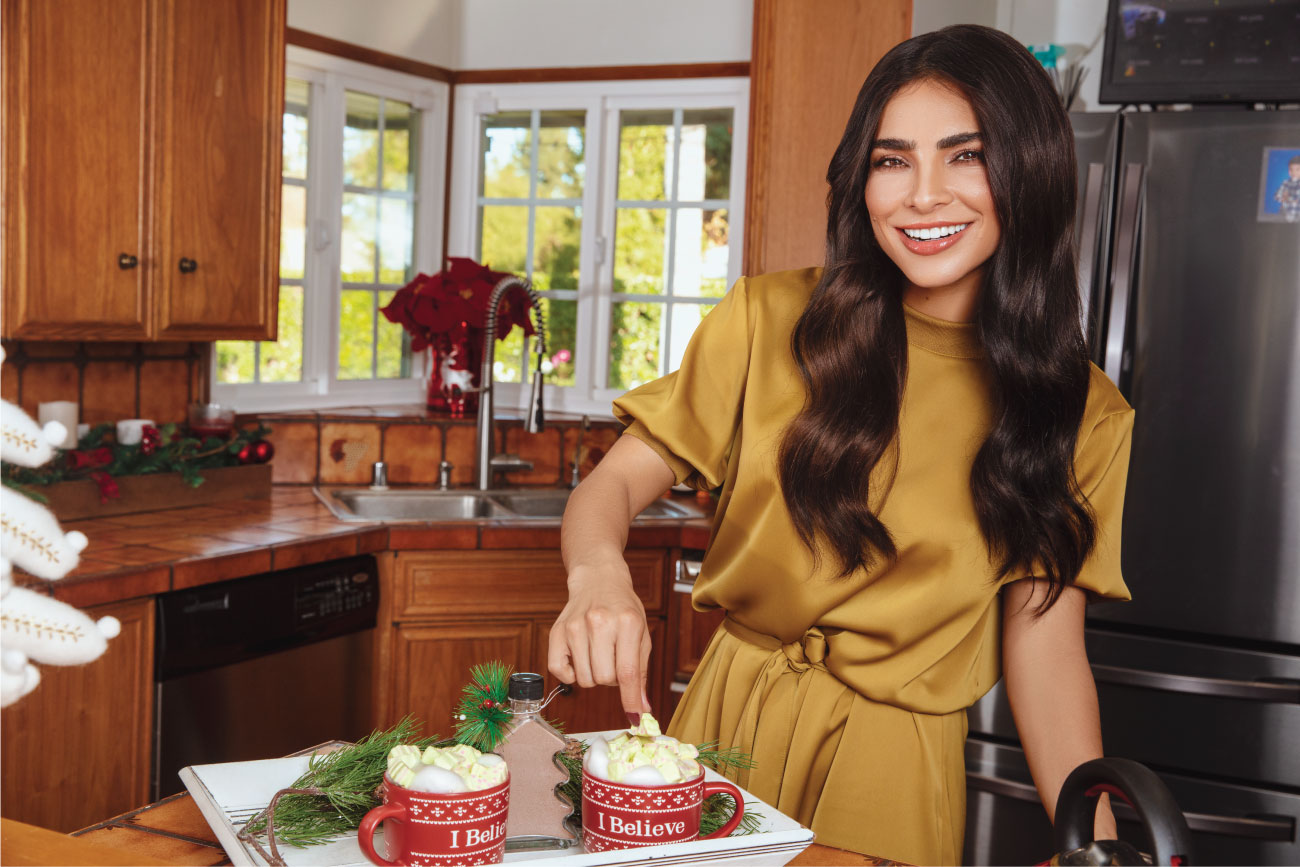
444 475
379 476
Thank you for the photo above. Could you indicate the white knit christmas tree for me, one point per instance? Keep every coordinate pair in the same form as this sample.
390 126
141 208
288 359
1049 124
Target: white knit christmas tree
35 627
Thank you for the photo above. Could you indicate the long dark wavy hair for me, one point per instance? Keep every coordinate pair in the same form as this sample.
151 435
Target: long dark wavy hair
851 342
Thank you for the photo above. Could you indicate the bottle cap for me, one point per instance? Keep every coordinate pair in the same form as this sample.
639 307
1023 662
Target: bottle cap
526 686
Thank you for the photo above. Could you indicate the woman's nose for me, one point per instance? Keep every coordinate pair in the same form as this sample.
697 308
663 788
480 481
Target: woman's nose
929 188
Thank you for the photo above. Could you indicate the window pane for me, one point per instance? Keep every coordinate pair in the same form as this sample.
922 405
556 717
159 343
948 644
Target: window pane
504 239
508 362
560 154
358 248
393 356
639 245
684 319
706 155
507 154
701 256
634 339
556 238
361 140
282 358
395 236
235 361
401 145
356 334
644 154
293 231
294 164
561 339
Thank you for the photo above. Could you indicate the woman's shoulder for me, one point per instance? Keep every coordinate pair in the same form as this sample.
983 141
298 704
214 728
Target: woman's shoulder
1106 406
778 298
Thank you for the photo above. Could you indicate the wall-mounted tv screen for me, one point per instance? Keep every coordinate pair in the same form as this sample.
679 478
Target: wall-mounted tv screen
1161 51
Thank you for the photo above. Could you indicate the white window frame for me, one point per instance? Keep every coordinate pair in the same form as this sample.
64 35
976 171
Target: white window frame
602 100
320 387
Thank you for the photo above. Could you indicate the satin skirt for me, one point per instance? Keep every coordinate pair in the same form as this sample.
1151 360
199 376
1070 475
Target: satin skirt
864 776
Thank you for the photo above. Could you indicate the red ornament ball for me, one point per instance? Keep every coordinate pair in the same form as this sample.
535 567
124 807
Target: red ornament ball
263 451
245 454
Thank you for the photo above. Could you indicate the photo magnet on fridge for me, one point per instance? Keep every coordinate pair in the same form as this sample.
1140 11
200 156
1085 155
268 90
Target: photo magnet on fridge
1279 186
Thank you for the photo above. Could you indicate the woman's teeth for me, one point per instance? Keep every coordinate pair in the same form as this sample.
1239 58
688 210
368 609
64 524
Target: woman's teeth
936 232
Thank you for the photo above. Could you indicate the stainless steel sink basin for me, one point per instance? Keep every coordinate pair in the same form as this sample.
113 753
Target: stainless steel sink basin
411 505
426 504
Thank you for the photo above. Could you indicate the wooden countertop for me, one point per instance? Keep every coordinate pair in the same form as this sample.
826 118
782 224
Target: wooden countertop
173 831
154 552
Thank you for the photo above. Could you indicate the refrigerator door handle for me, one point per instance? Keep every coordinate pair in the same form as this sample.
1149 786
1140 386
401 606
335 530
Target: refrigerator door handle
1254 827
1122 267
1275 690
1091 228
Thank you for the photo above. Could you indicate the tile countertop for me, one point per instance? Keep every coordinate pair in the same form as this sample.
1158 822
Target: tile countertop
149 553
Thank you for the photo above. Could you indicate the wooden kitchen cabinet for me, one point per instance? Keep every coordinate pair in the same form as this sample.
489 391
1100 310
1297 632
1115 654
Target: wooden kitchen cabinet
141 168
441 612
78 748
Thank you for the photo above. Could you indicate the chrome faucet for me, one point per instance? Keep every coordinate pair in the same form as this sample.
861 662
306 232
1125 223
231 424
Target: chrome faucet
487 461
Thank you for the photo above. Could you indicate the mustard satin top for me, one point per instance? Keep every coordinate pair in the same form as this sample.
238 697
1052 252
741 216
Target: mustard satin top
921 632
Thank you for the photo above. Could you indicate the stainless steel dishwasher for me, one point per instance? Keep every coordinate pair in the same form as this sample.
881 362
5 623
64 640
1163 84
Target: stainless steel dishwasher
259 667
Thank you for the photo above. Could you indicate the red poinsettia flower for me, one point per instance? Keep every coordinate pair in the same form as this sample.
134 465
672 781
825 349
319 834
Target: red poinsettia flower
450 307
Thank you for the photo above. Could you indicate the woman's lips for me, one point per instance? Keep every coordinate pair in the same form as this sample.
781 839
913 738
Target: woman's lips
930 247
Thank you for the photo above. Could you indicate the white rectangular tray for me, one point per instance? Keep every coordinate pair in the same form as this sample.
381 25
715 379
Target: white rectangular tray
230 794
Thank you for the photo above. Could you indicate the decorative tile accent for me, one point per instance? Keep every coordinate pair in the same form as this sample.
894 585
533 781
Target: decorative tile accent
346 452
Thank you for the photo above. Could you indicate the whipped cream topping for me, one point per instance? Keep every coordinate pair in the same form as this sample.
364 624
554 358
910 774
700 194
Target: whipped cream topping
643 756
445 770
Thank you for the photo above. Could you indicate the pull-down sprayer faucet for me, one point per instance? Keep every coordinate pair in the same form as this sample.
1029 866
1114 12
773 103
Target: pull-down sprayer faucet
533 422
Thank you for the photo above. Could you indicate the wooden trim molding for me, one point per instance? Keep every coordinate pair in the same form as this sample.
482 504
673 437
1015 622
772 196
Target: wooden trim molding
339 48
603 73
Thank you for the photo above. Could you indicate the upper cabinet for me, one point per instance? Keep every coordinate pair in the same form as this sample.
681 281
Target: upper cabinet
141 168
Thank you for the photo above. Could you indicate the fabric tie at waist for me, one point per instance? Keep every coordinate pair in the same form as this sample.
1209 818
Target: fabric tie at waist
781 687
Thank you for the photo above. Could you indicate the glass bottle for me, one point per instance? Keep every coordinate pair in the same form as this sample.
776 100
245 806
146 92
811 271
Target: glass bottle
538 817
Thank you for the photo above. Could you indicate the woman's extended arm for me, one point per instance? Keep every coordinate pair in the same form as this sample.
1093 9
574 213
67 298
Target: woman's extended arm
601 636
1049 683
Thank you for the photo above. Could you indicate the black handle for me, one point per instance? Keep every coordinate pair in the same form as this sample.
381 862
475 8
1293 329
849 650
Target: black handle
126 261
188 265
1076 807
1270 689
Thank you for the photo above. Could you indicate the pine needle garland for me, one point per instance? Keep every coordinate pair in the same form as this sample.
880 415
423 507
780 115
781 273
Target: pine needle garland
483 714
346 780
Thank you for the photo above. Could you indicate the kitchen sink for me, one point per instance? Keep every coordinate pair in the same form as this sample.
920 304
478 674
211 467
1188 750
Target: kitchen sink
430 504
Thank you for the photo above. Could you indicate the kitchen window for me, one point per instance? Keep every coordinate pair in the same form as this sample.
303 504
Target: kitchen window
622 203
361 206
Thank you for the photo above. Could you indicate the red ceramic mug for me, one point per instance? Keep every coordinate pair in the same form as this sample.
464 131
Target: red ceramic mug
427 830
624 816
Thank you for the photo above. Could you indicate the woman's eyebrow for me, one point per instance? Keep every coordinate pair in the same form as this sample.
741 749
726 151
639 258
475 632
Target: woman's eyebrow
902 144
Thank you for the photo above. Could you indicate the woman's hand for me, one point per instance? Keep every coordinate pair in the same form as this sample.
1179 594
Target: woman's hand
601 636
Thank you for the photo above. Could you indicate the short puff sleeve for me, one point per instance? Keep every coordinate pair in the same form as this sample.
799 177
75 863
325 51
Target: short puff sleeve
690 416
1101 467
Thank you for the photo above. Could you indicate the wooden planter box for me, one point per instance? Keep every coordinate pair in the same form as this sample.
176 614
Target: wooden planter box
73 501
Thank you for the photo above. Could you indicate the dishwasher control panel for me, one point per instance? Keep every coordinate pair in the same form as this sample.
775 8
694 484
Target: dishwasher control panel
346 590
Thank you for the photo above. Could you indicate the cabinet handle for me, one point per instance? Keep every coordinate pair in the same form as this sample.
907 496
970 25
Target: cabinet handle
126 261
188 265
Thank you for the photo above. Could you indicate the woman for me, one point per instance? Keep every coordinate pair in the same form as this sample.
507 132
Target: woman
921 474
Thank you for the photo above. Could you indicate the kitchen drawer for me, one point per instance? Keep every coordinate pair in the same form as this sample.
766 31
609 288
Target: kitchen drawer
504 583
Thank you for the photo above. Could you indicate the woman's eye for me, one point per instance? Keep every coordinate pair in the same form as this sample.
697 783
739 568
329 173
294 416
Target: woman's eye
888 163
971 156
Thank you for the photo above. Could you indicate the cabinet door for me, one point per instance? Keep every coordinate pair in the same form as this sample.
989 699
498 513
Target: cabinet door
222 65
75 172
431 664
599 708
77 750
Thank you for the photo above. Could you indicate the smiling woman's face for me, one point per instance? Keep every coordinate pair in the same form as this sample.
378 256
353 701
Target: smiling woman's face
929 199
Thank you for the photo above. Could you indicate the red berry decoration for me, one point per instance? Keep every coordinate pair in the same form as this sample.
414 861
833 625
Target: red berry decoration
151 440
263 451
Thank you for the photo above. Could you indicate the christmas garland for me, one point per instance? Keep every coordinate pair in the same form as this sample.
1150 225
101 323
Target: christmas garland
338 789
171 448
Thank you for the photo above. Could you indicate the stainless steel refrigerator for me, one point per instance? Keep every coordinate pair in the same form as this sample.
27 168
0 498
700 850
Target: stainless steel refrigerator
1191 281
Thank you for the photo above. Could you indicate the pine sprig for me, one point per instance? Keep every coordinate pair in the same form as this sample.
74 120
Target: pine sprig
347 779
721 760
483 714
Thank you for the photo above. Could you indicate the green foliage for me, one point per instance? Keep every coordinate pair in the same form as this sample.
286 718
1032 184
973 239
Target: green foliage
484 710
347 780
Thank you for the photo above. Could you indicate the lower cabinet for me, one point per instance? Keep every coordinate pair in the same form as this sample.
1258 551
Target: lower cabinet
76 751
442 612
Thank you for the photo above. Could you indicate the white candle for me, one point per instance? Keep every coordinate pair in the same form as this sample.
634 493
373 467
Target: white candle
130 431
65 413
